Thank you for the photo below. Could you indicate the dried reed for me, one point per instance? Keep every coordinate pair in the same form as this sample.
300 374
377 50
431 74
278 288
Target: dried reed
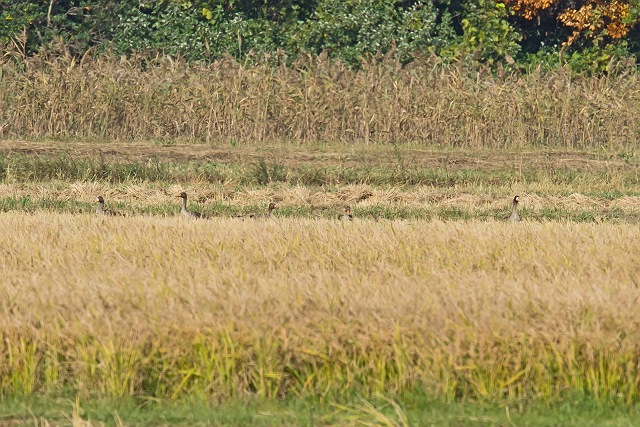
314 99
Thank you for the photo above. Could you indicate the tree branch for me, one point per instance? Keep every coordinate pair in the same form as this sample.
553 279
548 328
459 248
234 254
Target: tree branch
49 14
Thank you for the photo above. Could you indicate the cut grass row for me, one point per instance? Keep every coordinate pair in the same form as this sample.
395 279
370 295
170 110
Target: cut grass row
223 309
436 211
384 182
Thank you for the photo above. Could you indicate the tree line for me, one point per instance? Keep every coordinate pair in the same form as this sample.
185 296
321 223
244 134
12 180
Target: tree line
586 35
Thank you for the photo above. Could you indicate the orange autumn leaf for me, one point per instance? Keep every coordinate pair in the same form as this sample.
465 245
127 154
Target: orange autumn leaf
589 18
528 9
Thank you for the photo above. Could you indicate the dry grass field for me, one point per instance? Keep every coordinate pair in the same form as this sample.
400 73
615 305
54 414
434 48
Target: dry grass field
428 295
228 308
428 292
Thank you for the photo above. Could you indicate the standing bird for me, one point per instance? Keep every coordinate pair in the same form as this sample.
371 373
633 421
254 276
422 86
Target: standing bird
514 213
346 215
184 211
100 210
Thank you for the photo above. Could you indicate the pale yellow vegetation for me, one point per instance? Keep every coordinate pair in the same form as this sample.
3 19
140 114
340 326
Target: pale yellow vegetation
168 306
427 198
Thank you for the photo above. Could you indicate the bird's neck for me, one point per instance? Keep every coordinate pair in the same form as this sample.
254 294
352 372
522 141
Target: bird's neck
514 214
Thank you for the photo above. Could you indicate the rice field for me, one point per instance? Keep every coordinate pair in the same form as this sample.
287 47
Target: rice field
228 308
428 291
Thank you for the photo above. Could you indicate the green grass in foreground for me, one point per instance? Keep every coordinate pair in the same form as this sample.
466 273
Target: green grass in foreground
412 410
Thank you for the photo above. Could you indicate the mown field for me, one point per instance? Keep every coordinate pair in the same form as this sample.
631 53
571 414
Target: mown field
316 181
427 309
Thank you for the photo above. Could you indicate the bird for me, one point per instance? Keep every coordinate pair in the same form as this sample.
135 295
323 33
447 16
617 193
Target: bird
514 213
346 215
187 213
100 210
268 214
271 207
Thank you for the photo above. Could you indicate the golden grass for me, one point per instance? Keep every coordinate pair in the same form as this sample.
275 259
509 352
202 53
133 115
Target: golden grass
224 308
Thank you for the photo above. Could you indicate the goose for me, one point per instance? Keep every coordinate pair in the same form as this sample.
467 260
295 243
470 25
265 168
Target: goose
268 214
187 213
100 210
271 207
514 213
346 215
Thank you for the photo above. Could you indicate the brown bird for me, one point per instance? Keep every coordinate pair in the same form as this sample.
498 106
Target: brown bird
187 213
346 215
514 212
268 214
271 207
100 210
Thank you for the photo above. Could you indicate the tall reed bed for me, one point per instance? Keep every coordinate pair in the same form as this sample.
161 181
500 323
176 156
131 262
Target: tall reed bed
227 308
314 99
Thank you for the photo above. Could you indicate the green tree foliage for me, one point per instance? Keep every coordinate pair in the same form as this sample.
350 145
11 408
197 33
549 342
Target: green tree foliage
355 29
476 31
78 25
487 33
205 29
